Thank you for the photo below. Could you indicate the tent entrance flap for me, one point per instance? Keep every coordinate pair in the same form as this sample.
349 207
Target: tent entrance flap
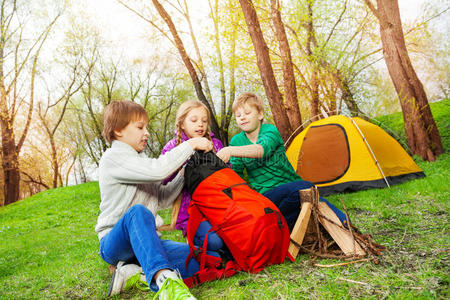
323 159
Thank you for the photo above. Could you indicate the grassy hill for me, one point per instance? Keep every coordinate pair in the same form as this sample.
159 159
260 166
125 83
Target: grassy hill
50 250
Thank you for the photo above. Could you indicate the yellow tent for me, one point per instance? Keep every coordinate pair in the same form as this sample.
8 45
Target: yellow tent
347 154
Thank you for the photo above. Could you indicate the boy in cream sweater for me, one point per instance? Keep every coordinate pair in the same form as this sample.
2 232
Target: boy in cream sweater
131 192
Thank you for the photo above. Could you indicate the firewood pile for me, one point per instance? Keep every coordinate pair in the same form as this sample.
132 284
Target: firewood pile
319 232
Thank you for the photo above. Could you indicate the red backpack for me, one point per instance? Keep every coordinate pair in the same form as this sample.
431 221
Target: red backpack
250 225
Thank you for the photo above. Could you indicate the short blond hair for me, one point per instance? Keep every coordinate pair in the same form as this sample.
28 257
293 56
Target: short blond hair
118 114
250 99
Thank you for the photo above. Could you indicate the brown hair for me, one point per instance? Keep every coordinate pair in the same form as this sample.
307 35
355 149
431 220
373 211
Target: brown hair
183 111
250 99
118 114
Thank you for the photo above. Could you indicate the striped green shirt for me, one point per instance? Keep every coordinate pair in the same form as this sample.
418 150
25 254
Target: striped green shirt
270 171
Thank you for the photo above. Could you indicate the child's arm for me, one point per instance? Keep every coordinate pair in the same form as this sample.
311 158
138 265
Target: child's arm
268 142
248 151
138 169
169 146
168 193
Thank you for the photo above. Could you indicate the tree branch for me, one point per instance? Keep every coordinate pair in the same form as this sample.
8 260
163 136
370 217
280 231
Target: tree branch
32 180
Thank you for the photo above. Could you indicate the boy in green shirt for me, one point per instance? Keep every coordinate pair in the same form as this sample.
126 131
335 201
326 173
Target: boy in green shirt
259 149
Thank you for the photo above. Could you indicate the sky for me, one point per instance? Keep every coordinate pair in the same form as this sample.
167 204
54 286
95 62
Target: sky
118 24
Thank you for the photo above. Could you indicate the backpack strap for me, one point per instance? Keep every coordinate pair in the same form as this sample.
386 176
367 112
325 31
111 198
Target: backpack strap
212 273
268 210
195 218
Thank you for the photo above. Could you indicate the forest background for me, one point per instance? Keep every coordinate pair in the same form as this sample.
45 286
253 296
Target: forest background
62 62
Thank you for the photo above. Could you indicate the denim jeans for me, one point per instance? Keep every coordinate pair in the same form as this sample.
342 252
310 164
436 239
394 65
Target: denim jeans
214 241
286 198
134 237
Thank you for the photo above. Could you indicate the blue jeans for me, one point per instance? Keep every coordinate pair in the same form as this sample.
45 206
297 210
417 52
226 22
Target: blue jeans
287 199
134 237
214 241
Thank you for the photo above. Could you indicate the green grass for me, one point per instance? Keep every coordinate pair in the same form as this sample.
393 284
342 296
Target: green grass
50 250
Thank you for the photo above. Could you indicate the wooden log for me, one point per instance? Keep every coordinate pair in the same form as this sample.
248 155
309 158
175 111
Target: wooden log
307 197
175 210
298 233
342 236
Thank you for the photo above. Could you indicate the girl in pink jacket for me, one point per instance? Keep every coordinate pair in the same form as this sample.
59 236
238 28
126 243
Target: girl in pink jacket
192 120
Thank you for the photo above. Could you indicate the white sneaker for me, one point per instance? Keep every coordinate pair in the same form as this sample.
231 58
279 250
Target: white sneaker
126 277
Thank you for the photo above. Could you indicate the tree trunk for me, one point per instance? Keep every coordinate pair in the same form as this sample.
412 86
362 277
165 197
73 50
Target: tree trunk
200 65
10 159
315 102
87 95
10 165
187 62
310 44
55 163
232 71
223 98
347 95
265 68
290 89
421 130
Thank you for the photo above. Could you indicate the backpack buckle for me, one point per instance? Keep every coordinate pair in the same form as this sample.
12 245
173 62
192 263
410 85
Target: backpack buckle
197 251
268 210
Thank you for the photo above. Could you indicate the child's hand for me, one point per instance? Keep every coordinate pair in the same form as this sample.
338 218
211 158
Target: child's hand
201 143
224 154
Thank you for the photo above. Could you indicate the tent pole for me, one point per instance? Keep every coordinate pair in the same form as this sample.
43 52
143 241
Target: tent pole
288 141
370 149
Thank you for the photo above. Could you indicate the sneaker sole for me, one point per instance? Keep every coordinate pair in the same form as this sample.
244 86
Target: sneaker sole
111 284
114 289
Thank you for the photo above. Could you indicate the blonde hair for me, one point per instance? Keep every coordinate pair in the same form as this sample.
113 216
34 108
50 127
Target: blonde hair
183 111
250 99
118 114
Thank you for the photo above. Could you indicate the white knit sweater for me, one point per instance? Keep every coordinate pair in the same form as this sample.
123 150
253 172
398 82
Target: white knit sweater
127 178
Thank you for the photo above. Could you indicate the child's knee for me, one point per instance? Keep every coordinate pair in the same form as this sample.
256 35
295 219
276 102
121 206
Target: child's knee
140 210
303 184
214 242
293 188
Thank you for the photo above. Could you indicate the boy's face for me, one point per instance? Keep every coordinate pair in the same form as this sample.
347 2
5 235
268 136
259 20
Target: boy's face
134 134
196 123
248 118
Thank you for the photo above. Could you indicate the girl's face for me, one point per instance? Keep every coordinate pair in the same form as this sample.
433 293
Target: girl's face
196 123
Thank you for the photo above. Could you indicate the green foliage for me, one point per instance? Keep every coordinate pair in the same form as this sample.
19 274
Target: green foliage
50 250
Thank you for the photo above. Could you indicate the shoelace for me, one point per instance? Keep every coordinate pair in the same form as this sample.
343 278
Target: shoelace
135 281
175 288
